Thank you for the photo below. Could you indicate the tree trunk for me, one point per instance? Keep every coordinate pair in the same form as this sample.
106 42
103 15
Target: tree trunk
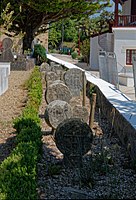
28 38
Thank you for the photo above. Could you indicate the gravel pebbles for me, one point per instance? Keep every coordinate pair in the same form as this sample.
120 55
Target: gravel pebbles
107 172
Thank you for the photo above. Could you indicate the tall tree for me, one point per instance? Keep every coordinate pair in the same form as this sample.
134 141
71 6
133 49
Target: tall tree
32 16
54 35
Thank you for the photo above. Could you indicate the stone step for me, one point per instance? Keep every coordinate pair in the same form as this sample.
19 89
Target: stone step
126 79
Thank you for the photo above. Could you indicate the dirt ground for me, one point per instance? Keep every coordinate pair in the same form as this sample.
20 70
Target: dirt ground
12 103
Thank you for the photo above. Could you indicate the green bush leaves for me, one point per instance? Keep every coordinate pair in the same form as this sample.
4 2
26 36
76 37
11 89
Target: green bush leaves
18 172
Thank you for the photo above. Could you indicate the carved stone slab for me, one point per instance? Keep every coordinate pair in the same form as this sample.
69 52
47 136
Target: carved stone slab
45 67
57 91
52 63
7 55
74 80
73 137
52 82
51 76
56 111
58 69
80 112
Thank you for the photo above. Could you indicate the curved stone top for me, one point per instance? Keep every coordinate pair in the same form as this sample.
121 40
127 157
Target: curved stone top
7 43
74 80
73 137
51 76
57 91
56 111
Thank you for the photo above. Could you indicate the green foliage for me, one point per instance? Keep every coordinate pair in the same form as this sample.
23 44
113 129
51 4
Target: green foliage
34 85
92 89
41 13
53 170
74 55
18 172
54 51
64 30
30 112
39 53
101 22
28 134
85 50
102 161
54 35
70 31
20 123
6 19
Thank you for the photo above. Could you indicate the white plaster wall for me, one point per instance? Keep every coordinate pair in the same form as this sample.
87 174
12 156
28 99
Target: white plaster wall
4 74
126 8
94 56
124 38
3 79
107 44
110 42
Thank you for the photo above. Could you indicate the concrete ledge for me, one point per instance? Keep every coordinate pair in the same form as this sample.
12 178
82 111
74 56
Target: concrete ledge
5 65
22 65
126 79
3 79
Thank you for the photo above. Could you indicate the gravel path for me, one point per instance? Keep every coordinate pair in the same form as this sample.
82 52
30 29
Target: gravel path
11 104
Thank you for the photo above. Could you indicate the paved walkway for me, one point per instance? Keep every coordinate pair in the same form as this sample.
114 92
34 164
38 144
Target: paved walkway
125 105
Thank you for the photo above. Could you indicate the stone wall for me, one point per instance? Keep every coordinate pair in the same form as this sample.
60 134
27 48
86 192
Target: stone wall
125 131
25 64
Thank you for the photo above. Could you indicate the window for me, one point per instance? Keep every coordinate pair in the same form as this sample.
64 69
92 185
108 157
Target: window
129 54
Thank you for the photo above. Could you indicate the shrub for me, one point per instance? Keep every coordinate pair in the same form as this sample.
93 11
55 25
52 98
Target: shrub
74 55
85 50
18 172
39 54
29 134
21 123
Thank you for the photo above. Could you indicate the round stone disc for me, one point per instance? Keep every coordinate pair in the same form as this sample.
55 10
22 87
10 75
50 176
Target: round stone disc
73 137
57 91
57 111
45 67
51 76
52 82
57 69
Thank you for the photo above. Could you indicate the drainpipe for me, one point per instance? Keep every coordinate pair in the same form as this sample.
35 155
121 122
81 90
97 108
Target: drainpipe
116 13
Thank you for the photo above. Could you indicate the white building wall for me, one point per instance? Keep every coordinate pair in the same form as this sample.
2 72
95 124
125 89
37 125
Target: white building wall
110 42
94 53
4 75
126 8
124 38
104 42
